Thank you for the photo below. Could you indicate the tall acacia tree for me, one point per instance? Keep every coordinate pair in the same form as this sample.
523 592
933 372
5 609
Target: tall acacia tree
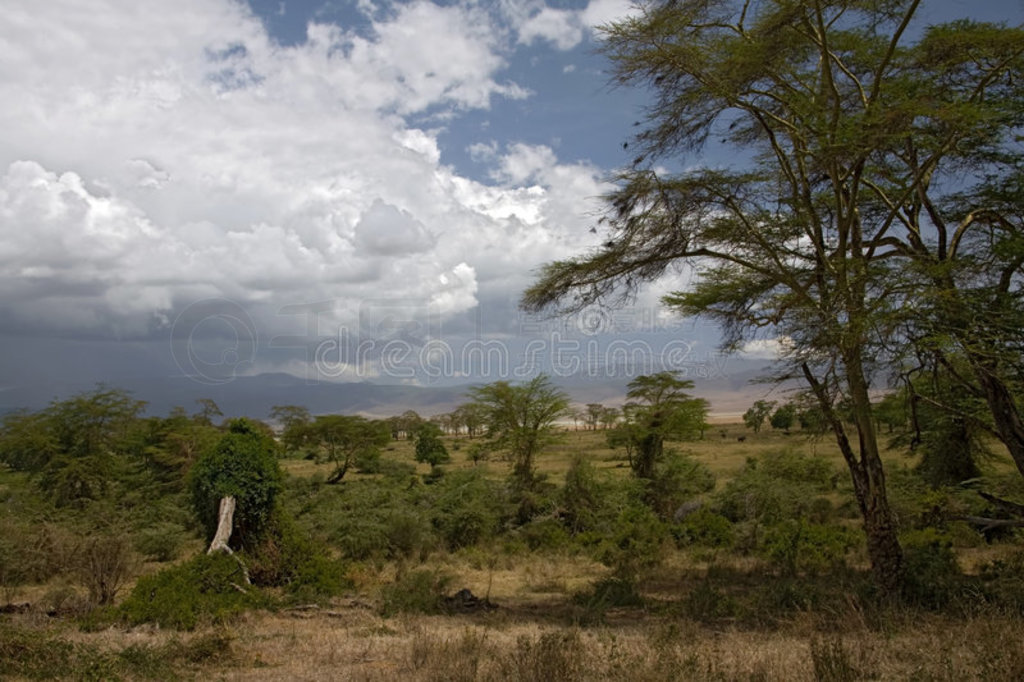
849 120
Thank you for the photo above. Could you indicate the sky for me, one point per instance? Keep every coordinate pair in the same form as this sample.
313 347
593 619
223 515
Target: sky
341 190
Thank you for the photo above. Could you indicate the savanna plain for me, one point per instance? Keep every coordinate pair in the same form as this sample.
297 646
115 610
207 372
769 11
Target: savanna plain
749 564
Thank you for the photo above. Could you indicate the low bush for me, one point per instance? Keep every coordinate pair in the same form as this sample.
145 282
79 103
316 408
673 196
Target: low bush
932 576
796 545
161 542
778 486
206 589
419 591
705 528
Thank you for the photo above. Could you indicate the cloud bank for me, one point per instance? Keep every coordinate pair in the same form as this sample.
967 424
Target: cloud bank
157 154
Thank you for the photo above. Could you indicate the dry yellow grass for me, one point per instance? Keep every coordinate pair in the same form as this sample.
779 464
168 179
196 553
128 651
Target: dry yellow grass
519 641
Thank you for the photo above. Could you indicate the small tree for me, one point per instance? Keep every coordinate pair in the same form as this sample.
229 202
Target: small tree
429 446
520 420
783 417
755 417
609 417
242 466
294 420
348 440
660 409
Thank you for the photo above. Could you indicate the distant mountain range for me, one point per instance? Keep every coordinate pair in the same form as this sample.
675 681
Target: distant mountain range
255 396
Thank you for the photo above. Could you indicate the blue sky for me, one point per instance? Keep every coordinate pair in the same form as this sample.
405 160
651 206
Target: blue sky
211 188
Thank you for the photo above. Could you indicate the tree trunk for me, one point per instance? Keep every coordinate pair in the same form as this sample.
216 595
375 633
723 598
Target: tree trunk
225 525
1005 414
868 478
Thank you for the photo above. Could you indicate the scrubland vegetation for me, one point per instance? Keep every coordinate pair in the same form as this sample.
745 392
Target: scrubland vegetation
729 559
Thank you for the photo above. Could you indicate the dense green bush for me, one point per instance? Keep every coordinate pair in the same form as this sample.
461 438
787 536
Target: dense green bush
206 589
706 529
161 542
637 542
420 591
778 486
468 509
796 545
676 479
242 464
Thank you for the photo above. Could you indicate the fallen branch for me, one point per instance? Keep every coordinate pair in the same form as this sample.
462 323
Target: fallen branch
1010 507
986 524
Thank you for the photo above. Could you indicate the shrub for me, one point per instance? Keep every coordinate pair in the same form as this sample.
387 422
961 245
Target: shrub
429 447
932 576
105 563
796 545
778 486
705 528
544 534
284 558
207 589
637 542
676 480
468 508
161 542
419 591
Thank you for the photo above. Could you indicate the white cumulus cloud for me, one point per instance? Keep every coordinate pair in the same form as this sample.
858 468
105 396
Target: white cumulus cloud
155 154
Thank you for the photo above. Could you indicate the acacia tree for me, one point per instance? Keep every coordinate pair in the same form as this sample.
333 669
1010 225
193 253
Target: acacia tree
520 420
754 417
850 131
659 409
348 440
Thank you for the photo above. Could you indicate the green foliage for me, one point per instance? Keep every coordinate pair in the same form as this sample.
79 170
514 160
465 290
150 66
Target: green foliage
581 499
637 542
243 465
205 590
705 528
783 417
520 420
419 591
659 409
293 420
348 441
162 541
778 486
798 546
79 446
429 447
677 479
283 557
756 415
37 655
468 509
933 577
